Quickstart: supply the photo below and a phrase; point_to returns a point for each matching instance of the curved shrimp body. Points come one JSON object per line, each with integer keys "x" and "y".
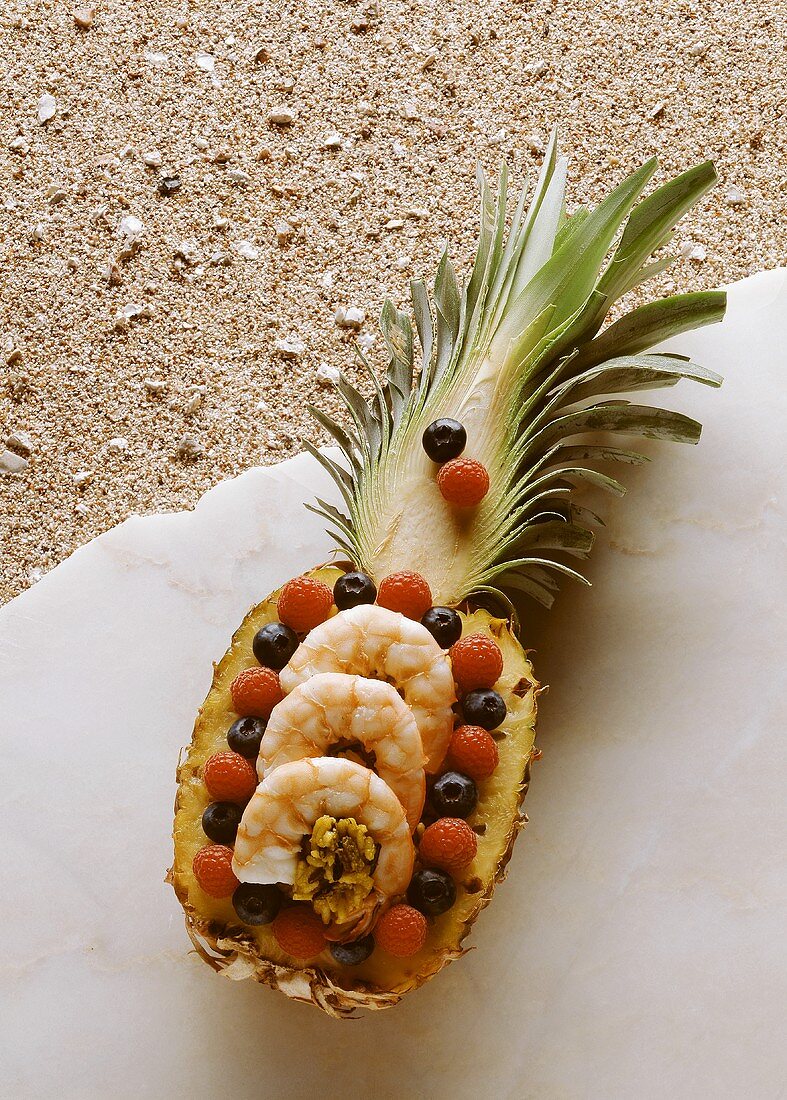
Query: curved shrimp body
{"x": 335, "y": 708}
{"x": 373, "y": 642}
{"x": 288, "y": 802}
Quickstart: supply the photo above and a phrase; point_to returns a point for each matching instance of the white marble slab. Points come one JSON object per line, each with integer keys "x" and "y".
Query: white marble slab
{"x": 637, "y": 949}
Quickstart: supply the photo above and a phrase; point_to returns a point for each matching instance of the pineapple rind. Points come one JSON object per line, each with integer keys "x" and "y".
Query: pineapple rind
{"x": 240, "y": 952}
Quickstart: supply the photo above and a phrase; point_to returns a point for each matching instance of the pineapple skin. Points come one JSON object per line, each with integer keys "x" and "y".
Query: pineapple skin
{"x": 239, "y": 952}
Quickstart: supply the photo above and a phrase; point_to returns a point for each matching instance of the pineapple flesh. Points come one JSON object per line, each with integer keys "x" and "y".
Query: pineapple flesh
{"x": 520, "y": 357}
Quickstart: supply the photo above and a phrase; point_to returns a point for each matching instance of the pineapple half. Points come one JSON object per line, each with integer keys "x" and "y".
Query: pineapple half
{"x": 381, "y": 981}
{"x": 519, "y": 356}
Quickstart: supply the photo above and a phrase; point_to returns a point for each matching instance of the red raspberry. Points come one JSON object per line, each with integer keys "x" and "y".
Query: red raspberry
{"x": 405, "y": 592}
{"x": 255, "y": 692}
{"x": 304, "y": 603}
{"x": 472, "y": 750}
{"x": 477, "y": 661}
{"x": 229, "y": 777}
{"x": 401, "y": 931}
{"x": 449, "y": 843}
{"x": 463, "y": 482}
{"x": 299, "y": 931}
{"x": 212, "y": 869}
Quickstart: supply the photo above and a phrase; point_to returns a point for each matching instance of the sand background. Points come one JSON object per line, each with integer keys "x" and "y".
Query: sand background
{"x": 138, "y": 368}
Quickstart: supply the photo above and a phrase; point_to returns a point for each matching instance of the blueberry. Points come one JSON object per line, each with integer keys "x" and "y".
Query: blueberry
{"x": 351, "y": 954}
{"x": 220, "y": 822}
{"x": 352, "y": 589}
{"x": 433, "y": 892}
{"x": 484, "y": 707}
{"x": 256, "y": 904}
{"x": 454, "y": 795}
{"x": 244, "y": 736}
{"x": 274, "y": 645}
{"x": 444, "y": 624}
{"x": 444, "y": 439}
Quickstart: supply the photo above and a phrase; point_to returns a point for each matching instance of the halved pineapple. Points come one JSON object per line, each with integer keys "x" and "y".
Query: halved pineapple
{"x": 241, "y": 951}
{"x": 519, "y": 356}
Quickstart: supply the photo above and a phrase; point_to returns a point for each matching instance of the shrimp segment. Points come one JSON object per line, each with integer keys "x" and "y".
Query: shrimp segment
{"x": 383, "y": 645}
{"x": 288, "y": 802}
{"x": 333, "y": 707}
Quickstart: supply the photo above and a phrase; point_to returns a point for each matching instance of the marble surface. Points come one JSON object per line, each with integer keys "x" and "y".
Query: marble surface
{"x": 637, "y": 948}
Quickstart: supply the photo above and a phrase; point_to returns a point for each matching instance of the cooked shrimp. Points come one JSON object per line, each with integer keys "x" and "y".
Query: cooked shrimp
{"x": 371, "y": 641}
{"x": 334, "y": 708}
{"x": 288, "y": 802}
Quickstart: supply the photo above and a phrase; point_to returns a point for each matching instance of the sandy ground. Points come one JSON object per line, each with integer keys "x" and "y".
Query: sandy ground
{"x": 154, "y": 343}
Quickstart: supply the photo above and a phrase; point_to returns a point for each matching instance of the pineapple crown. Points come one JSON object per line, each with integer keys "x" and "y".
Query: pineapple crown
{"x": 518, "y": 355}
